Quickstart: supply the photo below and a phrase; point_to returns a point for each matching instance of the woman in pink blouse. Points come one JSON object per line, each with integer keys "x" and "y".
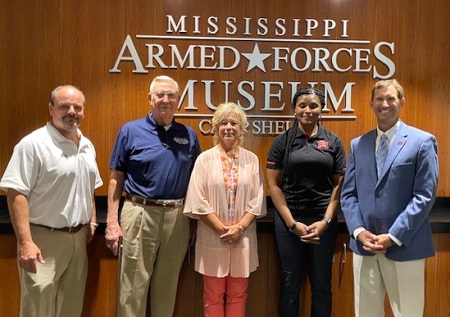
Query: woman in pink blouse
{"x": 227, "y": 204}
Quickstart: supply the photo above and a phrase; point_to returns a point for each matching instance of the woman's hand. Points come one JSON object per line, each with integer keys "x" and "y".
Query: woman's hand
{"x": 300, "y": 229}
{"x": 314, "y": 231}
{"x": 232, "y": 235}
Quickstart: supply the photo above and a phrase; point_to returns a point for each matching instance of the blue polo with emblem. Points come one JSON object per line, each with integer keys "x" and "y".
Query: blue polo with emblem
{"x": 156, "y": 163}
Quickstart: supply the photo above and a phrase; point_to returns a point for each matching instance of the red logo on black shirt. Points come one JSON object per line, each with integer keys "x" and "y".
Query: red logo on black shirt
{"x": 321, "y": 144}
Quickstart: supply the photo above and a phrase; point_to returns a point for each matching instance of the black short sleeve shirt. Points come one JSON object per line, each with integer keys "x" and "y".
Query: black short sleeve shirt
{"x": 309, "y": 167}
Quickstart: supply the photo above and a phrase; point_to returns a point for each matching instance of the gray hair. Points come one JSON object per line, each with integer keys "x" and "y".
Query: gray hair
{"x": 163, "y": 79}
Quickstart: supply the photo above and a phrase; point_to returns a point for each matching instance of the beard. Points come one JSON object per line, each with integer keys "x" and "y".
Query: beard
{"x": 71, "y": 122}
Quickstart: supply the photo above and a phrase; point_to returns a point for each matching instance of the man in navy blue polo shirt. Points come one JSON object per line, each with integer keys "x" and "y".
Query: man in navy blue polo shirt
{"x": 151, "y": 162}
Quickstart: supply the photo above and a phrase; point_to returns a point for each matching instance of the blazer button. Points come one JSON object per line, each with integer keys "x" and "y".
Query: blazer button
{"x": 377, "y": 195}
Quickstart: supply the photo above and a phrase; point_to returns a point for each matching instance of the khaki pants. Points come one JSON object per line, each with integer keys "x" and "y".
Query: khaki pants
{"x": 57, "y": 289}
{"x": 403, "y": 281}
{"x": 155, "y": 240}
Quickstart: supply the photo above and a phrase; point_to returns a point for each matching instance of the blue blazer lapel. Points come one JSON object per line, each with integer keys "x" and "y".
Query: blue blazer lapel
{"x": 368, "y": 148}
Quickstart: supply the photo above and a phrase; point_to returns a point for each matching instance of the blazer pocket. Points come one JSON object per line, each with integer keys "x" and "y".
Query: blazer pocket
{"x": 403, "y": 172}
{"x": 402, "y": 165}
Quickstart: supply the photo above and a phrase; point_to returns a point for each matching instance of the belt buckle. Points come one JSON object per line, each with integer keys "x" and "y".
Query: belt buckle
{"x": 163, "y": 202}
{"x": 72, "y": 229}
{"x": 171, "y": 203}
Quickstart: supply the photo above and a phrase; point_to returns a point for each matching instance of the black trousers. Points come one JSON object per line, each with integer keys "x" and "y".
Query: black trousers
{"x": 294, "y": 255}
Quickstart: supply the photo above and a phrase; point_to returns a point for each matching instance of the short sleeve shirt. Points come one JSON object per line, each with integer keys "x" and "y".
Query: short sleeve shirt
{"x": 308, "y": 171}
{"x": 156, "y": 162}
{"x": 57, "y": 176}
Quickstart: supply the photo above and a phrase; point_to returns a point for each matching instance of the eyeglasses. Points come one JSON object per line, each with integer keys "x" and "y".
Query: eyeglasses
{"x": 170, "y": 95}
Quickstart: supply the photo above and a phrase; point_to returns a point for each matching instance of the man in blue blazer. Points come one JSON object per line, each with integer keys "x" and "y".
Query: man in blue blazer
{"x": 387, "y": 215}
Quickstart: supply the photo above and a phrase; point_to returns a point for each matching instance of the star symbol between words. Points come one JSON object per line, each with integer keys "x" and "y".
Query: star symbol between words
{"x": 256, "y": 59}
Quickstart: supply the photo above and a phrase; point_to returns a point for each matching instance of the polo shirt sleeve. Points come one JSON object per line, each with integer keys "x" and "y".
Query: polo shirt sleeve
{"x": 119, "y": 157}
{"x": 98, "y": 179}
{"x": 22, "y": 170}
{"x": 276, "y": 153}
{"x": 339, "y": 158}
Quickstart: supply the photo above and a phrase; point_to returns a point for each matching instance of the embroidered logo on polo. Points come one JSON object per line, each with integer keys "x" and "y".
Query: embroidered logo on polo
{"x": 321, "y": 144}
{"x": 181, "y": 140}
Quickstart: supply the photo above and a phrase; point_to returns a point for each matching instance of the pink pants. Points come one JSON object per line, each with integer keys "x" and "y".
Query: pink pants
{"x": 224, "y": 296}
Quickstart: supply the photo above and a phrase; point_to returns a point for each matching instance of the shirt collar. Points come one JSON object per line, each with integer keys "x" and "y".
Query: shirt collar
{"x": 153, "y": 125}
{"x": 318, "y": 135}
{"x": 389, "y": 133}
{"x": 55, "y": 134}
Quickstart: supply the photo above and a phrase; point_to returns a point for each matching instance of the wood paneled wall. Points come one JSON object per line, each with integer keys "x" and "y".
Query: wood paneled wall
{"x": 47, "y": 43}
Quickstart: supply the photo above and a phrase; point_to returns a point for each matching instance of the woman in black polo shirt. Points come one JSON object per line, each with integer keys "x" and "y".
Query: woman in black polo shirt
{"x": 305, "y": 169}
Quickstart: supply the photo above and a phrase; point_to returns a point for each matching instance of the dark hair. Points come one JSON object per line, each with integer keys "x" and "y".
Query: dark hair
{"x": 292, "y": 132}
{"x": 309, "y": 91}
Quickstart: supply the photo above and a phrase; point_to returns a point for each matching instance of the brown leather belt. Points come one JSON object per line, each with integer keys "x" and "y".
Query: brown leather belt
{"x": 64, "y": 229}
{"x": 154, "y": 202}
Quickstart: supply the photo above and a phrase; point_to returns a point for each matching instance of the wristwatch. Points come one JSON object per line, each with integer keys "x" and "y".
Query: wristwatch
{"x": 326, "y": 219}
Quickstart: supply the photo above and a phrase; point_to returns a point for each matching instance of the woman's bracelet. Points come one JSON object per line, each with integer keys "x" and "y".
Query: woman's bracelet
{"x": 94, "y": 224}
{"x": 291, "y": 228}
{"x": 240, "y": 228}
